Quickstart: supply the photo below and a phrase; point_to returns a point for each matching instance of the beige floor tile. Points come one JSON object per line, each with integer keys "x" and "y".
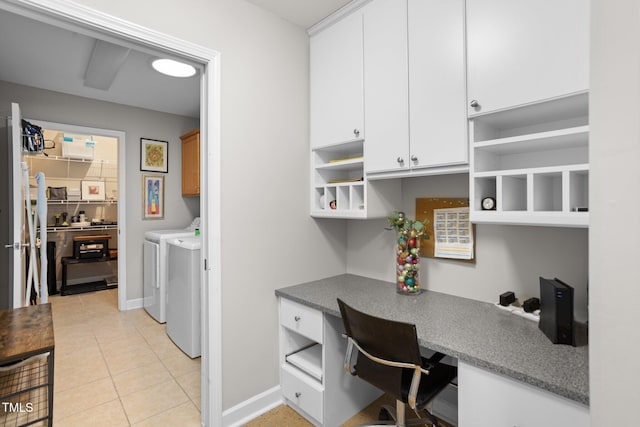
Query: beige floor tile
{"x": 153, "y": 400}
{"x": 164, "y": 347}
{"x": 75, "y": 332}
{"x": 73, "y": 401}
{"x": 108, "y": 367}
{"x": 135, "y": 357}
{"x": 100, "y": 308}
{"x": 185, "y": 415}
{"x": 79, "y": 374}
{"x": 58, "y": 300}
{"x": 73, "y": 338}
{"x": 181, "y": 364}
{"x": 72, "y": 359}
{"x": 190, "y": 383}
{"x": 126, "y": 342}
{"x": 63, "y": 318}
{"x": 110, "y": 327}
{"x": 152, "y": 331}
{"x": 140, "y": 318}
{"x": 281, "y": 416}
{"x": 141, "y": 378}
{"x": 110, "y": 414}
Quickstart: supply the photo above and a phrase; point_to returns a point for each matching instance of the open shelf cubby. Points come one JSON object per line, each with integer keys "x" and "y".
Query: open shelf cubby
{"x": 534, "y": 160}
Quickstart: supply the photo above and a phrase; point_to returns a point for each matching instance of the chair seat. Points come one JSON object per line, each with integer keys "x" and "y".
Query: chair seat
{"x": 430, "y": 385}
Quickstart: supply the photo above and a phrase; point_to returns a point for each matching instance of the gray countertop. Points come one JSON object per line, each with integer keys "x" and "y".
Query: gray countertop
{"x": 475, "y": 332}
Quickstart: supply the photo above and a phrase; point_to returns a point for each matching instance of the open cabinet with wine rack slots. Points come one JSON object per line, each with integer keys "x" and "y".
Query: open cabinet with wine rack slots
{"x": 533, "y": 160}
{"x": 340, "y": 189}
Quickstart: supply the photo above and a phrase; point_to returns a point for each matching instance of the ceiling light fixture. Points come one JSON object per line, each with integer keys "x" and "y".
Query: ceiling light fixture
{"x": 173, "y": 68}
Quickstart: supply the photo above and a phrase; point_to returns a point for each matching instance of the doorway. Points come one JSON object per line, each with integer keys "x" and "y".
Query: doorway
{"x": 75, "y": 160}
{"x": 88, "y": 21}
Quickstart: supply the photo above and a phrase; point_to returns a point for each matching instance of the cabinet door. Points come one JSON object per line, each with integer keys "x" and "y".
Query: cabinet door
{"x": 191, "y": 164}
{"x": 336, "y": 83}
{"x": 438, "y": 126}
{"x": 524, "y": 51}
{"x": 486, "y": 399}
{"x": 386, "y": 86}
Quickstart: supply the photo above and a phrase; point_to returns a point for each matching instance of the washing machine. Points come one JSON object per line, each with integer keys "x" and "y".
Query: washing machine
{"x": 184, "y": 294}
{"x": 155, "y": 268}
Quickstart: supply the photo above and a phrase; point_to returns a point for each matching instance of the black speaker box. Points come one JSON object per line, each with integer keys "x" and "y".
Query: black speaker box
{"x": 556, "y": 311}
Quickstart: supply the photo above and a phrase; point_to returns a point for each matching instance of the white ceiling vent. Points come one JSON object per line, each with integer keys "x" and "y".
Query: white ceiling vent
{"x": 106, "y": 60}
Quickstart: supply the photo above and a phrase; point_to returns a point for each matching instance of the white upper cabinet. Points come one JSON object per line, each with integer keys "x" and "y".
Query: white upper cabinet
{"x": 386, "y": 86}
{"x": 414, "y": 81}
{"x": 519, "y": 52}
{"x": 438, "y": 116}
{"x": 336, "y": 83}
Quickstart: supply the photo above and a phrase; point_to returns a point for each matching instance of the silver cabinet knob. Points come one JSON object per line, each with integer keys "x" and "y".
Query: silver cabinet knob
{"x": 474, "y": 104}
{"x": 356, "y": 132}
{"x": 414, "y": 158}
{"x": 297, "y": 318}
{"x": 400, "y": 160}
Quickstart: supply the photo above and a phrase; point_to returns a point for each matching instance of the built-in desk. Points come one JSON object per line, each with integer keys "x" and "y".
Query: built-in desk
{"x": 488, "y": 342}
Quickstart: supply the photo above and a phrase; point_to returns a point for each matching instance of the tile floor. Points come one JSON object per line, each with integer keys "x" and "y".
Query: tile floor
{"x": 116, "y": 368}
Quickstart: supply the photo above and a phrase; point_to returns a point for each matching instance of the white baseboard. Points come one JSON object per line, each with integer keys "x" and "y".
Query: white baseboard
{"x": 251, "y": 408}
{"x": 132, "y": 304}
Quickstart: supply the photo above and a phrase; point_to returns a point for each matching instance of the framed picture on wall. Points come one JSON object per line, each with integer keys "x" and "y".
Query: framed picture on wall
{"x": 92, "y": 190}
{"x": 153, "y": 197}
{"x": 154, "y": 155}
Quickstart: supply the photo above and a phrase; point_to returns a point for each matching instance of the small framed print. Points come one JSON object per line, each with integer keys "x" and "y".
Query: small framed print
{"x": 153, "y": 197}
{"x": 92, "y": 190}
{"x": 154, "y": 155}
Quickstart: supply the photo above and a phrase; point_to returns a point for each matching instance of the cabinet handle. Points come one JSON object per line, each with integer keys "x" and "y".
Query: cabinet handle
{"x": 474, "y": 104}
{"x": 297, "y": 318}
{"x": 400, "y": 160}
{"x": 356, "y": 132}
{"x": 414, "y": 158}
{"x": 298, "y": 394}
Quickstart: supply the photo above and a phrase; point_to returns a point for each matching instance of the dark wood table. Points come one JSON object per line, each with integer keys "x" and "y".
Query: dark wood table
{"x": 26, "y": 365}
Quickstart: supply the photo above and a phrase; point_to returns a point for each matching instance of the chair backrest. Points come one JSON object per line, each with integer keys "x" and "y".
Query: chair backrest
{"x": 385, "y": 339}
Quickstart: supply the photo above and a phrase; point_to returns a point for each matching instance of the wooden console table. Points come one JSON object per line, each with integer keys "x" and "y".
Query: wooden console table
{"x": 26, "y": 365}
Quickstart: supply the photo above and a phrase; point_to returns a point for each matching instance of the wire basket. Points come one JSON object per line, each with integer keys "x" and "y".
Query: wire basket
{"x": 24, "y": 393}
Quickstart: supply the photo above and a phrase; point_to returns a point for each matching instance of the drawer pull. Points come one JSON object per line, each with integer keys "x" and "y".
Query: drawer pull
{"x": 297, "y": 318}
{"x": 298, "y": 394}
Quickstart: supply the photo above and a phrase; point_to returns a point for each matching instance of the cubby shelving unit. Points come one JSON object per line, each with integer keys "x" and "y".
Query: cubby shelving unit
{"x": 533, "y": 160}
{"x": 337, "y": 174}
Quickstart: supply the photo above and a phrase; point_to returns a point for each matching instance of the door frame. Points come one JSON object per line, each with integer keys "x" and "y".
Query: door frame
{"x": 91, "y": 22}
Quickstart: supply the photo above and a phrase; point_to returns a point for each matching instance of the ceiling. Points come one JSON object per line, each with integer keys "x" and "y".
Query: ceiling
{"x": 40, "y": 55}
{"x": 43, "y": 56}
{"x": 303, "y": 13}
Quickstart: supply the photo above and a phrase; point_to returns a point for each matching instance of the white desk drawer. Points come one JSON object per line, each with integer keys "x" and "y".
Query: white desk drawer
{"x": 302, "y": 391}
{"x": 301, "y": 319}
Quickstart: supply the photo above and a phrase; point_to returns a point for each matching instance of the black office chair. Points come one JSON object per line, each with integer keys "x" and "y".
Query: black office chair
{"x": 388, "y": 357}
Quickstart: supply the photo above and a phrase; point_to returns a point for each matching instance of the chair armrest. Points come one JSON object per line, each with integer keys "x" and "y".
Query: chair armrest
{"x": 418, "y": 370}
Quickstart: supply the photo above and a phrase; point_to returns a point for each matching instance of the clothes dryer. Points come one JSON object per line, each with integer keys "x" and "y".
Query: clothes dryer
{"x": 184, "y": 294}
{"x": 155, "y": 262}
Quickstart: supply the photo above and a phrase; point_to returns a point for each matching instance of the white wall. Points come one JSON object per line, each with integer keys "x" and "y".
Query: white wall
{"x": 268, "y": 239}
{"x": 508, "y": 258}
{"x": 614, "y": 335}
{"x": 136, "y": 123}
